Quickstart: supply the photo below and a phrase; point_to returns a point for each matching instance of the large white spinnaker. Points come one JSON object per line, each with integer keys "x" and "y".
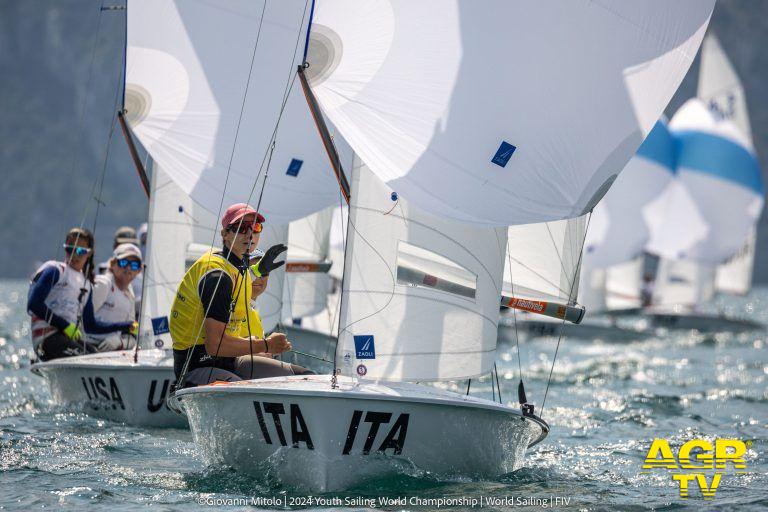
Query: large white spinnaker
{"x": 206, "y": 84}
{"x": 421, "y": 294}
{"x": 721, "y": 90}
{"x": 462, "y": 108}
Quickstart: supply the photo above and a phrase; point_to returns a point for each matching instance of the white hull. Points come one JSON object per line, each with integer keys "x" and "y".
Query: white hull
{"x": 111, "y": 386}
{"x": 702, "y": 322}
{"x": 314, "y": 437}
{"x": 584, "y": 331}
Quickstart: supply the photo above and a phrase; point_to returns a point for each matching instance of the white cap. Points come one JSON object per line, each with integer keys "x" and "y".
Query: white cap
{"x": 127, "y": 250}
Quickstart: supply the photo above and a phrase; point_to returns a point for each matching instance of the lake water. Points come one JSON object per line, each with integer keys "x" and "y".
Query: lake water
{"x": 606, "y": 404}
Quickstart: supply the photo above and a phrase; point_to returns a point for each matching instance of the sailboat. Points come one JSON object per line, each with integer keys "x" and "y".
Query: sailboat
{"x": 716, "y": 165}
{"x": 721, "y": 260}
{"x": 132, "y": 386}
{"x": 460, "y": 128}
{"x": 612, "y": 247}
{"x": 618, "y": 271}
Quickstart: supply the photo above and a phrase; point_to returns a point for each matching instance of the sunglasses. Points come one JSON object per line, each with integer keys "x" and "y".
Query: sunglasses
{"x": 244, "y": 227}
{"x": 132, "y": 264}
{"x": 80, "y": 251}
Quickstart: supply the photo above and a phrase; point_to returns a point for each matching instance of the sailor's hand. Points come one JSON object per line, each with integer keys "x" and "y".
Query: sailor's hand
{"x": 73, "y": 333}
{"x": 268, "y": 263}
{"x": 134, "y": 330}
{"x": 277, "y": 343}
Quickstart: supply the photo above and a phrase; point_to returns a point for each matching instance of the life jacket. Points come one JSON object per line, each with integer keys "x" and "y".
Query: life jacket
{"x": 65, "y": 299}
{"x": 187, "y": 312}
{"x": 117, "y": 305}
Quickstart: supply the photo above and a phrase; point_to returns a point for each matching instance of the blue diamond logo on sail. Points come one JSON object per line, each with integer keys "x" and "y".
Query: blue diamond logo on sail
{"x": 160, "y": 325}
{"x": 364, "y": 347}
{"x": 503, "y": 154}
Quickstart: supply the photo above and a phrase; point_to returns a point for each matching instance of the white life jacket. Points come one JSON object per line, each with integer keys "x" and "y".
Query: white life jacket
{"x": 111, "y": 304}
{"x": 64, "y": 299}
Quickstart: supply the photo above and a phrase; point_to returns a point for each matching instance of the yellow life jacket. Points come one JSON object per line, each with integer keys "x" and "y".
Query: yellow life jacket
{"x": 187, "y": 311}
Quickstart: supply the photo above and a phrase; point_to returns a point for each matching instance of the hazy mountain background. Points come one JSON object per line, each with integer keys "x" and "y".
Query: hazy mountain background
{"x": 49, "y": 165}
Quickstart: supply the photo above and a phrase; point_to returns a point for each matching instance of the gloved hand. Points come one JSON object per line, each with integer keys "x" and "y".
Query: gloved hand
{"x": 72, "y": 332}
{"x": 267, "y": 263}
{"x": 112, "y": 342}
{"x": 134, "y": 331}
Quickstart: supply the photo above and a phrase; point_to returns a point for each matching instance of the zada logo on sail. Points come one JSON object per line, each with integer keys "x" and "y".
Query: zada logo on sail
{"x": 698, "y": 463}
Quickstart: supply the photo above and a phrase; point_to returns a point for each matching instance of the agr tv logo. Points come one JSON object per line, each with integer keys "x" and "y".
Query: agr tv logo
{"x": 698, "y": 463}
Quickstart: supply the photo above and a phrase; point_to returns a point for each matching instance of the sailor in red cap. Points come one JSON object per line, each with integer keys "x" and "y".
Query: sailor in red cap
{"x": 216, "y": 332}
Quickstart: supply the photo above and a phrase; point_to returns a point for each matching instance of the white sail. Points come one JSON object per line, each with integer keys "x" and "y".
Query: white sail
{"x": 617, "y": 229}
{"x": 735, "y": 275}
{"x": 205, "y": 88}
{"x": 717, "y": 172}
{"x": 178, "y": 229}
{"x": 721, "y": 90}
{"x": 421, "y": 294}
{"x": 719, "y": 86}
{"x": 624, "y": 284}
{"x": 462, "y": 107}
{"x": 306, "y": 292}
{"x": 682, "y": 282}
{"x": 543, "y": 260}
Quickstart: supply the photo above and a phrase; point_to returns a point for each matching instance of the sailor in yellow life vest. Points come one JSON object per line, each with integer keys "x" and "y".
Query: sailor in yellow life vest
{"x": 216, "y": 333}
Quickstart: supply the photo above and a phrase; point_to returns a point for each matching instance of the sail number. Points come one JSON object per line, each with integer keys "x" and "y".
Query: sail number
{"x": 394, "y": 439}
{"x": 105, "y": 393}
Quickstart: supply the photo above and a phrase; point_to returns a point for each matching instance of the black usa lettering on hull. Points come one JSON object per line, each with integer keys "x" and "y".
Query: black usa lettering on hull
{"x": 155, "y": 405}
{"x": 99, "y": 395}
{"x": 299, "y": 431}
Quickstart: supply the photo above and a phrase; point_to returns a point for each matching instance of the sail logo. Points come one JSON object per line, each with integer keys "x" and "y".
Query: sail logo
{"x": 699, "y": 463}
{"x": 503, "y": 154}
{"x": 365, "y": 347}
{"x": 294, "y": 167}
{"x": 160, "y": 325}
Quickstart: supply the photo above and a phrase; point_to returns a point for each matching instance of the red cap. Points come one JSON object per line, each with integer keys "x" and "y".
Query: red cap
{"x": 236, "y": 212}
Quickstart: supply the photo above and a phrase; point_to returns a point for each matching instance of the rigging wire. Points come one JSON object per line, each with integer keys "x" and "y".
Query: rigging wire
{"x": 289, "y": 86}
{"x": 562, "y": 323}
{"x": 81, "y": 121}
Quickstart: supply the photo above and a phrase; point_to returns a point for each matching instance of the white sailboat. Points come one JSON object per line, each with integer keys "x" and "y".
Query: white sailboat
{"x": 182, "y": 123}
{"x": 452, "y": 149}
{"x": 716, "y": 254}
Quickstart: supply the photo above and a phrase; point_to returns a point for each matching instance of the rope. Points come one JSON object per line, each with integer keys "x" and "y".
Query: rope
{"x": 562, "y": 324}
{"x": 268, "y": 154}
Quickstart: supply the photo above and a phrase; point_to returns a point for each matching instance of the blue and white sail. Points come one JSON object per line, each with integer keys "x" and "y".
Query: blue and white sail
{"x": 618, "y": 231}
{"x": 721, "y": 90}
{"x": 718, "y": 191}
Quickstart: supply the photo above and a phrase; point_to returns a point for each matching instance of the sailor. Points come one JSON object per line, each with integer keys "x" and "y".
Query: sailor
{"x": 216, "y": 332}
{"x": 113, "y": 298}
{"x": 123, "y": 235}
{"x": 60, "y": 299}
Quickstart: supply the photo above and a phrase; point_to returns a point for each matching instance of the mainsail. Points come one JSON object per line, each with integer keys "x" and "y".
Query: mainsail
{"x": 421, "y": 294}
{"x": 721, "y": 90}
